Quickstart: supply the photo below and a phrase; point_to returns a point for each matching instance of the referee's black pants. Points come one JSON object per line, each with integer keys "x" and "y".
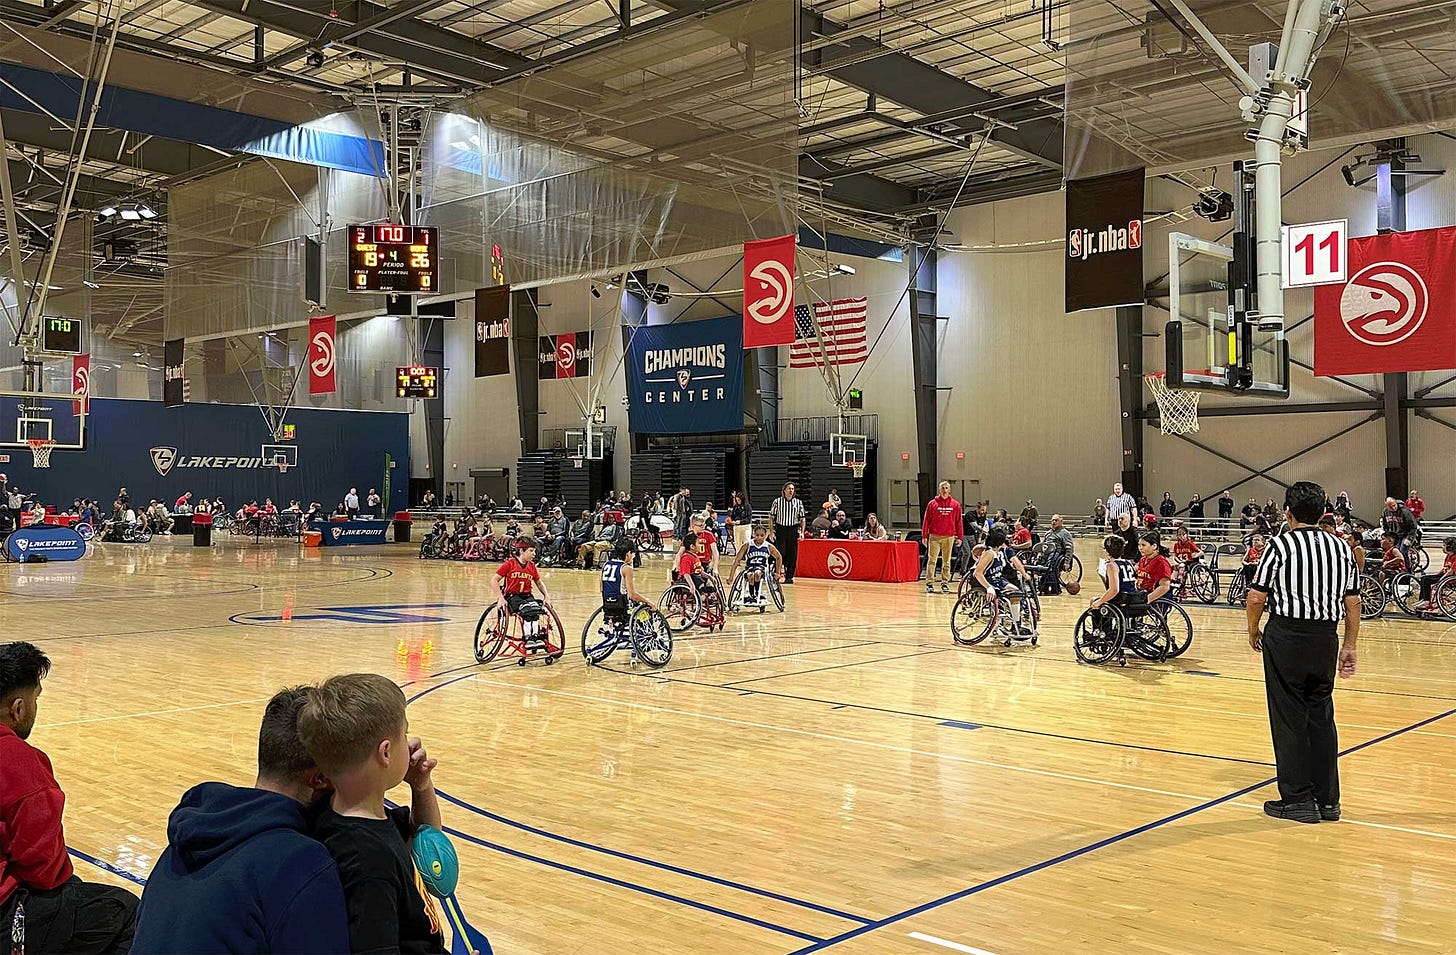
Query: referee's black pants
{"x": 1300, "y": 657}
{"x": 787, "y": 541}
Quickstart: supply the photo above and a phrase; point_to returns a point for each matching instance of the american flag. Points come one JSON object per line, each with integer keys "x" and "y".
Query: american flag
{"x": 840, "y": 339}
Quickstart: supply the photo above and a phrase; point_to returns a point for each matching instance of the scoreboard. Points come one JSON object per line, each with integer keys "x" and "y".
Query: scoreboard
{"x": 393, "y": 258}
{"x": 415, "y": 381}
{"x": 60, "y": 336}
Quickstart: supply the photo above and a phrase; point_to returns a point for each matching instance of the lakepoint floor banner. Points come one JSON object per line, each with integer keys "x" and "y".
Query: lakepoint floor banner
{"x": 686, "y": 378}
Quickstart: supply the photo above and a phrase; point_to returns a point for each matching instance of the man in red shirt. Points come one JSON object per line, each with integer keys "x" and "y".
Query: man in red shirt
{"x": 1416, "y": 505}
{"x": 942, "y": 529}
{"x": 61, "y": 913}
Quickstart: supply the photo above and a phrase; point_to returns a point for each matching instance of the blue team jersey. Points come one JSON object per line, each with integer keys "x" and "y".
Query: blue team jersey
{"x": 756, "y": 557}
{"x": 612, "y": 580}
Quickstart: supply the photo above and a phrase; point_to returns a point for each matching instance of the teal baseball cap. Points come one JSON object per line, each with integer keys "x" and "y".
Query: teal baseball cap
{"x": 435, "y": 859}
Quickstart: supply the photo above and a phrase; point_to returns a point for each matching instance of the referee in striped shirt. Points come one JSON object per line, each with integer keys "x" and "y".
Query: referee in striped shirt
{"x": 787, "y": 514}
{"x": 1308, "y": 581}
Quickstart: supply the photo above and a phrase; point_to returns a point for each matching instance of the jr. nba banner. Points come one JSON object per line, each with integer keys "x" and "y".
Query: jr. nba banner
{"x": 321, "y": 352}
{"x": 686, "y": 378}
{"x": 1397, "y": 312}
{"x": 174, "y": 388}
{"x": 81, "y": 385}
{"x": 768, "y": 292}
{"x": 1105, "y": 241}
{"x": 492, "y": 331}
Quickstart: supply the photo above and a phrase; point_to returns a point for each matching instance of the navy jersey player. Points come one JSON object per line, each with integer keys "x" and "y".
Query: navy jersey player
{"x": 619, "y": 590}
{"x": 758, "y": 558}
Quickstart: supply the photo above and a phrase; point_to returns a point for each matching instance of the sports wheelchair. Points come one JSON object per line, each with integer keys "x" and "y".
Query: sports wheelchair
{"x": 977, "y": 615}
{"x": 738, "y": 598}
{"x": 499, "y": 628}
{"x": 1155, "y": 631}
{"x": 644, "y": 631}
{"x": 685, "y": 606}
{"x": 1404, "y": 590}
{"x": 1194, "y": 579}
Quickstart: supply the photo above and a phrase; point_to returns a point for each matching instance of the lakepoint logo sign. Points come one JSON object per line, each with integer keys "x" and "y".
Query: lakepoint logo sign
{"x": 165, "y": 460}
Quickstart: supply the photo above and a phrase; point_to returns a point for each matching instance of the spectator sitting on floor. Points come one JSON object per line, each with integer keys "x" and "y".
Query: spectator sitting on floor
{"x": 241, "y": 872}
{"x": 159, "y": 519}
{"x": 61, "y": 913}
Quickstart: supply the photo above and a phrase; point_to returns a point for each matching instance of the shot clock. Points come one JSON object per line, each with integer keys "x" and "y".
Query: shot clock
{"x": 393, "y": 258}
{"x": 60, "y": 336}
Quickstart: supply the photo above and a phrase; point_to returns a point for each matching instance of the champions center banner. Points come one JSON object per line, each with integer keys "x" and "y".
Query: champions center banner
{"x": 686, "y": 378}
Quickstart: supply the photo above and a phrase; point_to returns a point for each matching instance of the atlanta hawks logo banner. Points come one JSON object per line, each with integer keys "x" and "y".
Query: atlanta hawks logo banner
{"x": 81, "y": 384}
{"x": 321, "y": 341}
{"x": 565, "y": 356}
{"x": 686, "y": 378}
{"x": 768, "y": 292}
{"x": 1397, "y": 312}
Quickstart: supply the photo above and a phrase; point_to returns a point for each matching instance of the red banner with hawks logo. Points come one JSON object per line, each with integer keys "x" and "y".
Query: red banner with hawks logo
{"x": 81, "y": 385}
{"x": 565, "y": 356}
{"x": 321, "y": 352}
{"x": 768, "y": 292}
{"x": 1397, "y": 312}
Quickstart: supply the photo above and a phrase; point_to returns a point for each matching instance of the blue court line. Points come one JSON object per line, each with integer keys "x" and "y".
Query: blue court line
{"x": 1084, "y": 850}
{"x": 666, "y": 866}
{"x": 703, "y": 906}
{"x": 1199, "y": 673}
{"x": 612, "y": 852}
{"x": 958, "y": 724}
{"x": 107, "y": 867}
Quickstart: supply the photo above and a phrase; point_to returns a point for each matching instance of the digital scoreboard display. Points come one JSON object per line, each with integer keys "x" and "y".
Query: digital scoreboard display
{"x": 415, "y": 381}
{"x": 60, "y": 336}
{"x": 393, "y": 258}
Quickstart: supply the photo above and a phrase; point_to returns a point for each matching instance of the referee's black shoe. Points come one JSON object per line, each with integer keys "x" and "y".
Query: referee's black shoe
{"x": 1330, "y": 812}
{"x": 1294, "y": 811}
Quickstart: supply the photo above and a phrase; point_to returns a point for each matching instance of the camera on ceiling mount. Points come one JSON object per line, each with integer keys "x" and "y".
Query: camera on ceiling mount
{"x": 1215, "y": 205}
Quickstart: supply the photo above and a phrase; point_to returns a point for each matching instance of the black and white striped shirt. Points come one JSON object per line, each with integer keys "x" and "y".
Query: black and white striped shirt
{"x": 787, "y": 513}
{"x": 1307, "y": 574}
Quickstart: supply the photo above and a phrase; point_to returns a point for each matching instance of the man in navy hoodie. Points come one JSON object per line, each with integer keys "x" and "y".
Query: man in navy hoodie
{"x": 240, "y": 872}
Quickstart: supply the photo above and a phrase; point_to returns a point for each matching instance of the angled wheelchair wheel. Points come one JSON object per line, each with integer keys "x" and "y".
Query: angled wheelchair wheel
{"x": 490, "y": 633}
{"x": 738, "y": 592}
{"x": 1071, "y": 570}
{"x": 1405, "y": 589}
{"x": 1238, "y": 590}
{"x": 1097, "y": 635}
{"x": 972, "y": 618}
{"x": 1443, "y": 597}
{"x": 1176, "y": 625}
{"x": 1372, "y": 598}
{"x": 1420, "y": 560}
{"x": 597, "y": 638}
{"x": 651, "y": 636}
{"x": 776, "y": 592}
{"x": 1201, "y": 584}
{"x": 680, "y": 605}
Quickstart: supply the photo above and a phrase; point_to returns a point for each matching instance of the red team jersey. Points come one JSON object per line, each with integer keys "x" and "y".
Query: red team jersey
{"x": 1449, "y": 567}
{"x": 1151, "y": 571}
{"x": 708, "y": 540}
{"x": 1022, "y": 536}
{"x": 689, "y": 564}
{"x": 1252, "y": 555}
{"x": 1394, "y": 561}
{"x": 1185, "y": 550}
{"x": 518, "y": 577}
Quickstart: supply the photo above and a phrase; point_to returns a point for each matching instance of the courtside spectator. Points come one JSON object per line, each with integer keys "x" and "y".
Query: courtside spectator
{"x": 60, "y": 912}
{"x": 428, "y": 501}
{"x": 241, "y": 873}
{"x": 1166, "y": 507}
{"x": 355, "y": 728}
{"x": 184, "y": 501}
{"x": 1416, "y": 505}
{"x": 351, "y": 503}
{"x": 1225, "y": 507}
{"x": 874, "y": 530}
{"x": 1099, "y": 514}
{"x": 373, "y": 501}
{"x": 942, "y": 529}
{"x": 1195, "y": 508}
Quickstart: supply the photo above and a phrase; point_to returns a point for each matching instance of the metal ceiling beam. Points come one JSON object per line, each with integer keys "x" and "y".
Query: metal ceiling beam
{"x": 165, "y": 157}
{"x": 416, "y": 9}
{"x": 924, "y": 88}
{"x": 860, "y": 190}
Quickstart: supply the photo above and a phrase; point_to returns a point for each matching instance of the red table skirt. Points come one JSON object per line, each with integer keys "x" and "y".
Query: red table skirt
{"x": 891, "y": 562}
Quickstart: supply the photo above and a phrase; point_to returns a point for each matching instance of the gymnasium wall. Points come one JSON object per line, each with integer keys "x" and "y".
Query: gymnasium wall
{"x": 336, "y": 450}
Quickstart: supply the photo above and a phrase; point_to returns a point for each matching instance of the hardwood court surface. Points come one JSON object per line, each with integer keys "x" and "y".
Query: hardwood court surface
{"x": 840, "y": 777}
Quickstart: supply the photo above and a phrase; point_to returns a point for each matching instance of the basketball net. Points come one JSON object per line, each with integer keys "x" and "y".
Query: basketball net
{"x": 857, "y": 467}
{"x": 40, "y": 450}
{"x": 1177, "y": 409}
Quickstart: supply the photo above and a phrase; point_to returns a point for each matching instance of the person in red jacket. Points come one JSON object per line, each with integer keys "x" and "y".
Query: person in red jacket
{"x": 942, "y": 529}
{"x": 39, "y": 891}
{"x": 1416, "y": 505}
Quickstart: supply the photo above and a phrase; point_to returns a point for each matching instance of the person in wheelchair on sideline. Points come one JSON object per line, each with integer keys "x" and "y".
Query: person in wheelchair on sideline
{"x": 991, "y": 573}
{"x": 1252, "y": 556}
{"x": 1448, "y": 568}
{"x": 514, "y": 584}
{"x": 758, "y": 558}
{"x": 619, "y": 589}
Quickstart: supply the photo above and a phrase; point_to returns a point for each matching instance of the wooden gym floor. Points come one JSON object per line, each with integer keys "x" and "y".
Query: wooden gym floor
{"x": 838, "y": 777}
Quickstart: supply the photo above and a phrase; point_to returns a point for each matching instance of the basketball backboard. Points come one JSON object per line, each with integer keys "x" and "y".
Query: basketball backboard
{"x": 1209, "y": 346}
{"x": 847, "y": 449}
{"x": 46, "y": 416}
{"x": 578, "y": 446}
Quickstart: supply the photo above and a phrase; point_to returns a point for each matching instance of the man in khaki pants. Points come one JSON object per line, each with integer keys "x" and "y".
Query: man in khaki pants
{"x": 941, "y": 529}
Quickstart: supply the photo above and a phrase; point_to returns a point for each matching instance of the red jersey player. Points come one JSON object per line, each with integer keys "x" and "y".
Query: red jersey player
{"x": 515, "y": 579}
{"x": 1154, "y": 573}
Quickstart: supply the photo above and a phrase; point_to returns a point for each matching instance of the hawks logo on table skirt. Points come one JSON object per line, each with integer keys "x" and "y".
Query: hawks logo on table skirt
{"x": 1397, "y": 312}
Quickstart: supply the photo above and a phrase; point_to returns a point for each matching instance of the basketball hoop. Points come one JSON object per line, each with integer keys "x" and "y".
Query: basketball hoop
{"x": 282, "y": 465}
{"x": 40, "y": 449}
{"x": 1177, "y": 409}
{"x": 858, "y": 467}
